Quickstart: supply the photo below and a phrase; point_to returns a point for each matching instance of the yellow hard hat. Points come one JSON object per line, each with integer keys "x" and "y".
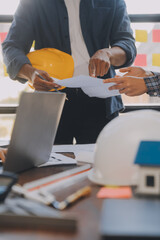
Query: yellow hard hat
{"x": 56, "y": 63}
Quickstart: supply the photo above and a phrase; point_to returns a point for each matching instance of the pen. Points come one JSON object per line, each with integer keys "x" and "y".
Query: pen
{"x": 52, "y": 90}
{"x": 85, "y": 191}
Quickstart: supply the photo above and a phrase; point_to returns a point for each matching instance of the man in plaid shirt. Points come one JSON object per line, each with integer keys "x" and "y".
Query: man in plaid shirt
{"x": 136, "y": 81}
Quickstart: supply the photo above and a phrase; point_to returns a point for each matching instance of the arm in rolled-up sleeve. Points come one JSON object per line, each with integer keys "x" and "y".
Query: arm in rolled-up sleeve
{"x": 122, "y": 34}
{"x": 19, "y": 40}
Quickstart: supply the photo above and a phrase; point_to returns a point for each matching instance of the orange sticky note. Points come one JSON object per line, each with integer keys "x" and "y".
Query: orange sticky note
{"x": 156, "y": 35}
{"x": 156, "y": 59}
{"x": 141, "y": 35}
{"x": 119, "y": 192}
{"x": 141, "y": 60}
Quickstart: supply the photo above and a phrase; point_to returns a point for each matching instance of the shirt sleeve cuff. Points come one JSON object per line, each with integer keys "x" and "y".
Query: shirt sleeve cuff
{"x": 15, "y": 66}
{"x": 153, "y": 85}
{"x": 130, "y": 54}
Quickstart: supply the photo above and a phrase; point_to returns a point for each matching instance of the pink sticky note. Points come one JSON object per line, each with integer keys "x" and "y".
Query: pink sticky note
{"x": 119, "y": 192}
{"x": 3, "y": 36}
{"x": 156, "y": 35}
{"x": 141, "y": 60}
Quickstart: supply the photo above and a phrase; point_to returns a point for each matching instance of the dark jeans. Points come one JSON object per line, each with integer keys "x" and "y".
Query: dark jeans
{"x": 83, "y": 118}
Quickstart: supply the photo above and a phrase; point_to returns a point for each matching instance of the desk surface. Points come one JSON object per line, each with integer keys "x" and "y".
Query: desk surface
{"x": 87, "y": 211}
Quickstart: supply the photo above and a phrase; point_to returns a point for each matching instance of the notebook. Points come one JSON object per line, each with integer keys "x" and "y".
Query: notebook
{"x": 130, "y": 219}
{"x": 34, "y": 131}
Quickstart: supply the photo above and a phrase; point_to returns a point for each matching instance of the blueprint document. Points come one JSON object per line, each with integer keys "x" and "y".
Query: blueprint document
{"x": 93, "y": 87}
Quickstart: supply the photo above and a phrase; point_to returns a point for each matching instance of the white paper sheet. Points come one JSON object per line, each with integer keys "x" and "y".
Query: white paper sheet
{"x": 58, "y": 159}
{"x": 93, "y": 87}
{"x": 73, "y": 148}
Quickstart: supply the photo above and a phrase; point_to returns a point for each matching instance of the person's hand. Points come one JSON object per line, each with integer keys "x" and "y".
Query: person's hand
{"x": 29, "y": 73}
{"x": 136, "y": 72}
{"x": 99, "y": 63}
{"x": 3, "y": 152}
{"x": 131, "y": 86}
{"x": 40, "y": 84}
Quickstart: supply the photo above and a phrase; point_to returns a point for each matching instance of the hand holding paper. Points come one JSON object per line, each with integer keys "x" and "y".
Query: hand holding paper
{"x": 93, "y": 87}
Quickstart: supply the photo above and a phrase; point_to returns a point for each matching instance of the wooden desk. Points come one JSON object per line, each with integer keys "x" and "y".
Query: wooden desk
{"x": 87, "y": 211}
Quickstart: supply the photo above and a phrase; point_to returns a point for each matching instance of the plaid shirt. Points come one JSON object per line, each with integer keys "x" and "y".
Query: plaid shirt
{"x": 153, "y": 85}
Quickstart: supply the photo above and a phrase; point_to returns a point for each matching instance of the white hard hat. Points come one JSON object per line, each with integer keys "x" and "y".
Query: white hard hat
{"x": 117, "y": 146}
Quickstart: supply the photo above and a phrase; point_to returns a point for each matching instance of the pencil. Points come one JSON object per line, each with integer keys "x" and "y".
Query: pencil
{"x": 85, "y": 191}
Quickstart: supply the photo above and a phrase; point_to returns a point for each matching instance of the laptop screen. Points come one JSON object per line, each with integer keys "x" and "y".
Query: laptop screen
{"x": 34, "y": 131}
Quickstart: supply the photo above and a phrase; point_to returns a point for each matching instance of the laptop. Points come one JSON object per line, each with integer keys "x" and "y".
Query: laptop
{"x": 137, "y": 218}
{"x": 34, "y": 130}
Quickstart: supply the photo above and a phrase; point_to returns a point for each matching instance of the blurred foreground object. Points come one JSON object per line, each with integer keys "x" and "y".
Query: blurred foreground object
{"x": 117, "y": 146}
